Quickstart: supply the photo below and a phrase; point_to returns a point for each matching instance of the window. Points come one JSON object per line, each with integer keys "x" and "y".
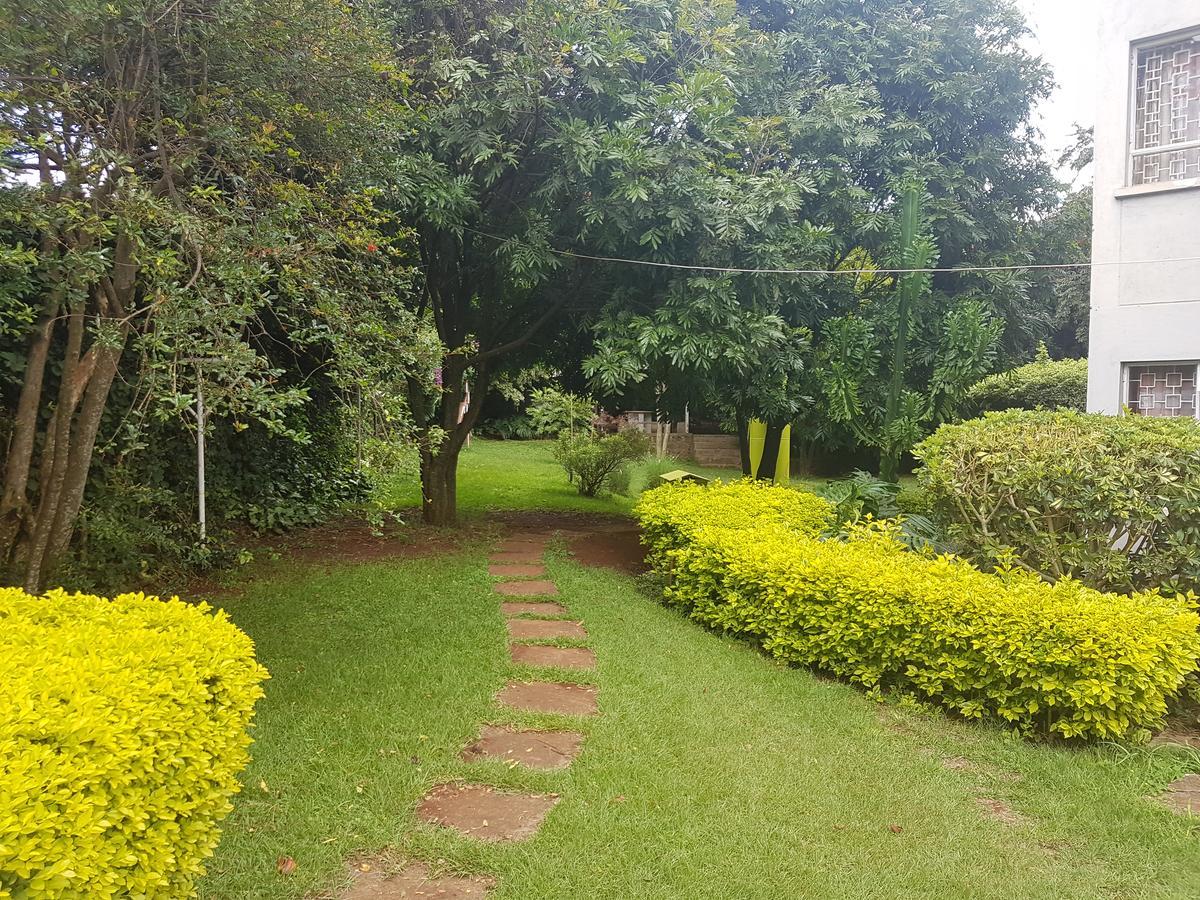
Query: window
{"x": 1166, "y": 125}
{"x": 1164, "y": 390}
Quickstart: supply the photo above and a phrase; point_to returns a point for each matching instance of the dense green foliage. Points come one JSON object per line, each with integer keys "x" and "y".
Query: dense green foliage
{"x": 123, "y": 728}
{"x": 844, "y": 105}
{"x": 1044, "y": 383}
{"x": 187, "y": 209}
{"x": 1111, "y": 501}
{"x": 553, "y": 411}
{"x": 336, "y": 245}
{"x": 1056, "y": 659}
{"x": 595, "y": 462}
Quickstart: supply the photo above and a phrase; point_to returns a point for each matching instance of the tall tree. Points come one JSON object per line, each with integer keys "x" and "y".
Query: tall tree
{"x": 847, "y": 98}
{"x": 173, "y": 166}
{"x": 544, "y": 126}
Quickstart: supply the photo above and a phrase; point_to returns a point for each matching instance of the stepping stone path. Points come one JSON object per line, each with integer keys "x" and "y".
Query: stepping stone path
{"x": 535, "y": 749}
{"x": 549, "y": 697}
{"x": 526, "y": 588}
{"x": 517, "y": 570}
{"x": 518, "y": 608}
{"x": 553, "y": 657}
{"x": 541, "y": 629}
{"x": 415, "y": 882}
{"x": 485, "y": 813}
{"x": 479, "y": 811}
{"x": 1183, "y": 795}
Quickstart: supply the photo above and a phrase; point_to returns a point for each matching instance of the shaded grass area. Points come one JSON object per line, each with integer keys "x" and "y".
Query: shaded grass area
{"x": 711, "y": 772}
{"x": 522, "y": 475}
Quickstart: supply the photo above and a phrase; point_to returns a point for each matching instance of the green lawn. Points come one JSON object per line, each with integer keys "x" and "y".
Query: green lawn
{"x": 506, "y": 475}
{"x": 711, "y": 771}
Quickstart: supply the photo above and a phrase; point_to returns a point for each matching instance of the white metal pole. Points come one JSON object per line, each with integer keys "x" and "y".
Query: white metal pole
{"x": 201, "y": 422}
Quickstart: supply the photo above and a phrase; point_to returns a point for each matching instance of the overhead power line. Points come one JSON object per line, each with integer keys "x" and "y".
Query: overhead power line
{"x": 735, "y": 270}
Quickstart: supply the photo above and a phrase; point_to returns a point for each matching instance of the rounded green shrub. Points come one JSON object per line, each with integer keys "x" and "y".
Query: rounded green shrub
{"x": 1044, "y": 383}
{"x": 123, "y": 726}
{"x": 1112, "y": 501}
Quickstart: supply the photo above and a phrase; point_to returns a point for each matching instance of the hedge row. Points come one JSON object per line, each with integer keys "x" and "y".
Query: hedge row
{"x": 1054, "y": 659}
{"x": 671, "y": 515}
{"x": 123, "y": 726}
{"x": 1044, "y": 383}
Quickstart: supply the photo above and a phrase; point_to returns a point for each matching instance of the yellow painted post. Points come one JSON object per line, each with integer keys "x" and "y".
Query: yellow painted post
{"x": 758, "y": 437}
{"x": 783, "y": 463}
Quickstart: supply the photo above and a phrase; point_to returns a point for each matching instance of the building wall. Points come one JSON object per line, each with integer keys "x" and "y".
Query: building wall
{"x": 1140, "y": 313}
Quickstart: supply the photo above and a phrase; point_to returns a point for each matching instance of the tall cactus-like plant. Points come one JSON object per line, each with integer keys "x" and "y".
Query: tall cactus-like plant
{"x": 916, "y": 252}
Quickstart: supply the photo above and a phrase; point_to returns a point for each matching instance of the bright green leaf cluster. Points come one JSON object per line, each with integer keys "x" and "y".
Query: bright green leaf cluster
{"x": 1058, "y": 659}
{"x": 672, "y": 515}
{"x": 123, "y": 726}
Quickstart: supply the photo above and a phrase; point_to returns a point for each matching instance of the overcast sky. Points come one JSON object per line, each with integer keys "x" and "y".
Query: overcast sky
{"x": 1066, "y": 35}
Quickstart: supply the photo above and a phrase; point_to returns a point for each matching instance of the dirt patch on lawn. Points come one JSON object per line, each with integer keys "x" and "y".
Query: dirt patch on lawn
{"x": 354, "y": 540}
{"x": 594, "y": 539}
{"x": 616, "y": 548}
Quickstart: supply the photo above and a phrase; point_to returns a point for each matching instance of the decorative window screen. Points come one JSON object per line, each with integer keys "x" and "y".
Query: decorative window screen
{"x": 1164, "y": 390}
{"x": 1166, "y": 139}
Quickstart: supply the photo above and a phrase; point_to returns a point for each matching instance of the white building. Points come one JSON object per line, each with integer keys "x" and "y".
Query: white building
{"x": 1145, "y": 318}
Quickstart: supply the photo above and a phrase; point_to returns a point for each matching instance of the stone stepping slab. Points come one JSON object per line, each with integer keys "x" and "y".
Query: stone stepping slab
{"x": 517, "y": 608}
{"x": 549, "y": 697}
{"x": 484, "y": 813}
{"x": 553, "y": 657}
{"x": 414, "y": 882}
{"x": 511, "y": 546}
{"x": 527, "y": 588}
{"x": 541, "y": 629}
{"x": 516, "y": 557}
{"x": 535, "y": 749}
{"x": 1183, "y": 795}
{"x": 517, "y": 570}
{"x": 530, "y": 537}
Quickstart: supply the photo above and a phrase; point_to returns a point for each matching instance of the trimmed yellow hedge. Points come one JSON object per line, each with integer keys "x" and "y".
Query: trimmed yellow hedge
{"x": 1057, "y": 659}
{"x": 671, "y": 515}
{"x": 123, "y": 726}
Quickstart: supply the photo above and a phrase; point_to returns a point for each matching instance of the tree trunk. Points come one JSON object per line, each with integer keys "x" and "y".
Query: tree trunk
{"x": 770, "y": 456}
{"x": 743, "y": 436}
{"x": 439, "y": 466}
{"x": 14, "y": 503}
{"x": 439, "y": 488}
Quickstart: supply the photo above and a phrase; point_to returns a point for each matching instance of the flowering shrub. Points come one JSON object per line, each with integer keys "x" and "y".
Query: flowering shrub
{"x": 1058, "y": 659}
{"x": 123, "y": 726}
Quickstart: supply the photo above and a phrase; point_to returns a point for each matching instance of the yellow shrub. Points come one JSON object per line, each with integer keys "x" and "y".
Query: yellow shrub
{"x": 123, "y": 726}
{"x": 670, "y": 515}
{"x": 1059, "y": 659}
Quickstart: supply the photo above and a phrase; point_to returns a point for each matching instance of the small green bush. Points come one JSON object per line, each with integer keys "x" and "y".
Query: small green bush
{"x": 671, "y": 515}
{"x": 553, "y": 411}
{"x": 123, "y": 726}
{"x": 1044, "y": 383}
{"x": 1112, "y": 501}
{"x": 595, "y": 462}
{"x": 1056, "y": 659}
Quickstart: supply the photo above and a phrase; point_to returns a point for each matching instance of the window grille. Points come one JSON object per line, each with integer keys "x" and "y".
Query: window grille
{"x": 1166, "y": 138}
{"x": 1164, "y": 391}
